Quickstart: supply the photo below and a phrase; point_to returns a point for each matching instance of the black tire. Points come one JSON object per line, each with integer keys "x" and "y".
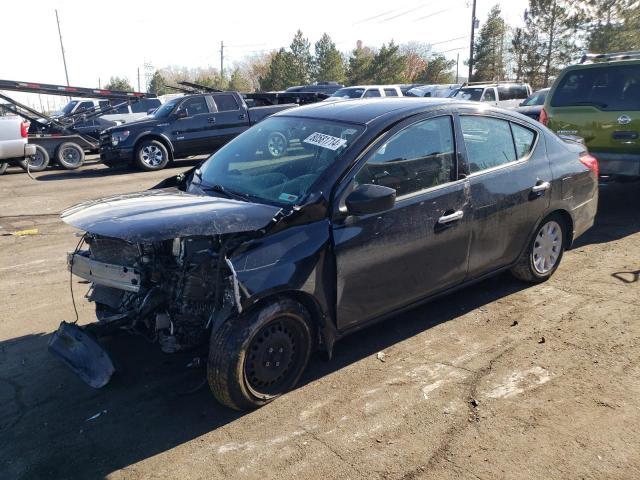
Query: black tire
{"x": 544, "y": 253}
{"x": 260, "y": 355}
{"x": 70, "y": 155}
{"x": 277, "y": 144}
{"x": 37, "y": 162}
{"x": 3, "y": 167}
{"x": 151, "y": 155}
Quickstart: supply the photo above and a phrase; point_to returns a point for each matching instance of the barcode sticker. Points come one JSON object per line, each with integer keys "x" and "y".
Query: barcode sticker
{"x": 325, "y": 141}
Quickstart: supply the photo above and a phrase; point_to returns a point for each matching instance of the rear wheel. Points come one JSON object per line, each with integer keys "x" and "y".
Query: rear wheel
{"x": 70, "y": 155}
{"x": 37, "y": 162}
{"x": 260, "y": 355}
{"x": 151, "y": 155}
{"x": 544, "y": 253}
{"x": 277, "y": 144}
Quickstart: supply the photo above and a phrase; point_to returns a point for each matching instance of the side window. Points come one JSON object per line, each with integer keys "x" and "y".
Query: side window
{"x": 226, "y": 102}
{"x": 390, "y": 92}
{"x": 123, "y": 109}
{"x": 372, "y": 92}
{"x": 420, "y": 156}
{"x": 195, "y": 106}
{"x": 489, "y": 95}
{"x": 523, "y": 139}
{"x": 104, "y": 104}
{"x": 488, "y": 142}
{"x": 84, "y": 106}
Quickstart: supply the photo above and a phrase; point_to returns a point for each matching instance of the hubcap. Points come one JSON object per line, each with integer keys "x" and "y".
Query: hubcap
{"x": 547, "y": 247}
{"x": 273, "y": 357}
{"x": 71, "y": 156}
{"x": 276, "y": 145}
{"x": 152, "y": 155}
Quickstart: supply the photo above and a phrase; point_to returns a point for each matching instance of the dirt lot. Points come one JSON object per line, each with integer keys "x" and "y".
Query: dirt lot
{"x": 501, "y": 380}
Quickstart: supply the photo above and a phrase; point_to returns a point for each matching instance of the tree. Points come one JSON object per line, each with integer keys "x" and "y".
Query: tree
{"x": 612, "y": 25}
{"x": 256, "y": 67}
{"x": 488, "y": 52}
{"x": 437, "y": 70}
{"x": 388, "y": 65}
{"x": 556, "y": 24}
{"x": 239, "y": 81}
{"x": 157, "y": 84}
{"x": 280, "y": 74}
{"x": 359, "y": 71}
{"x": 300, "y": 60}
{"x": 119, "y": 83}
{"x": 328, "y": 64}
{"x": 416, "y": 56}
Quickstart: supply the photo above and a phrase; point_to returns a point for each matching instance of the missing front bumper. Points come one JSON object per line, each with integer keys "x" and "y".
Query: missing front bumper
{"x": 107, "y": 274}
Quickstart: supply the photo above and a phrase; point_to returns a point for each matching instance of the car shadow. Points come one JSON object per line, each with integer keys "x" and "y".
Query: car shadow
{"x": 55, "y": 426}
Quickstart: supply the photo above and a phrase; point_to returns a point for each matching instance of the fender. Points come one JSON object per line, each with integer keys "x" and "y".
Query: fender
{"x": 151, "y": 133}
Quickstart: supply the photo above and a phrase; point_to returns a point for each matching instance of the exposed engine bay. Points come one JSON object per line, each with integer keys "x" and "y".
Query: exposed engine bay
{"x": 169, "y": 291}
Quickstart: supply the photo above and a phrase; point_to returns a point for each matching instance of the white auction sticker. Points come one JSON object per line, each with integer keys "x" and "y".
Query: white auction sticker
{"x": 325, "y": 141}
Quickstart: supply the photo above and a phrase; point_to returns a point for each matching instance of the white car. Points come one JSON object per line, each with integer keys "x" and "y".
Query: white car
{"x": 13, "y": 140}
{"x": 505, "y": 95}
{"x": 437, "y": 90}
{"x": 365, "y": 91}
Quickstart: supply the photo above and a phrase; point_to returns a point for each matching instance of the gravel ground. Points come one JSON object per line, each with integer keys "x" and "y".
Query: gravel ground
{"x": 500, "y": 380}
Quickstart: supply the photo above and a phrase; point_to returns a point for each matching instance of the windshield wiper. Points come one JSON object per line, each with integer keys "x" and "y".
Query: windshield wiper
{"x": 224, "y": 191}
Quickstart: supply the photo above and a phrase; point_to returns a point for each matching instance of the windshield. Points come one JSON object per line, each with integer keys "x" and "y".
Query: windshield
{"x": 279, "y": 159}
{"x": 469, "y": 94}
{"x": 607, "y": 88}
{"x": 165, "y": 109}
{"x": 69, "y": 106}
{"x": 537, "y": 98}
{"x": 349, "y": 93}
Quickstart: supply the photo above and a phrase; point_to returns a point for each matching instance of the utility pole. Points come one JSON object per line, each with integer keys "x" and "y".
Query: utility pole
{"x": 473, "y": 31}
{"x": 64, "y": 60}
{"x": 139, "y": 89}
{"x": 221, "y": 59}
{"x": 457, "y": 66}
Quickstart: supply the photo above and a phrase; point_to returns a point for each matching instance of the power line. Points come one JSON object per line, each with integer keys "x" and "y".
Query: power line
{"x": 402, "y": 14}
{"x": 450, "y": 40}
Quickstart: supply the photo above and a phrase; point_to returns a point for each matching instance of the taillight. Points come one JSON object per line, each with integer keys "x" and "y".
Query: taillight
{"x": 24, "y": 129}
{"x": 544, "y": 118}
{"x": 590, "y": 162}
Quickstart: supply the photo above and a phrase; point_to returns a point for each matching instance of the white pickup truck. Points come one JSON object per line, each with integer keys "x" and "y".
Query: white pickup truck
{"x": 13, "y": 141}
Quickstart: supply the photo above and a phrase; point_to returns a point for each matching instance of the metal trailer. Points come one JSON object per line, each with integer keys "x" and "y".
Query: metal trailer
{"x": 59, "y": 139}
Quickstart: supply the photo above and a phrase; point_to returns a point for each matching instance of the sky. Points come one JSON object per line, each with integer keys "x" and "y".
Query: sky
{"x": 116, "y": 37}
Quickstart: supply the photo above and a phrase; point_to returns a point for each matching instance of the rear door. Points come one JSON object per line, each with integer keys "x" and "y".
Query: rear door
{"x": 510, "y": 178}
{"x": 230, "y": 118}
{"x": 601, "y": 103}
{"x": 388, "y": 260}
{"x": 191, "y": 133}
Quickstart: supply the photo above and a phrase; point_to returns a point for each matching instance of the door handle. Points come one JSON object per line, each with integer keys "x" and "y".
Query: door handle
{"x": 452, "y": 217}
{"x": 211, "y": 120}
{"x": 541, "y": 187}
{"x": 242, "y": 116}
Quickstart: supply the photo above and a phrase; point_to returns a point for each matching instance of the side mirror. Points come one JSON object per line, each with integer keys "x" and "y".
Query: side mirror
{"x": 181, "y": 113}
{"x": 366, "y": 199}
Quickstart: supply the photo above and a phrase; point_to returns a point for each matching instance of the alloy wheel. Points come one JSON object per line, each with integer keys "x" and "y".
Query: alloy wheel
{"x": 152, "y": 155}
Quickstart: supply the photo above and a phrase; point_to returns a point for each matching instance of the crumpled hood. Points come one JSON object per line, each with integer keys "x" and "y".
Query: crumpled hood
{"x": 156, "y": 215}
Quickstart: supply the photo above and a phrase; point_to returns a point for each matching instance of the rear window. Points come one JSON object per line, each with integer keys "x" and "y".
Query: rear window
{"x": 390, "y": 92}
{"x": 512, "y": 92}
{"x": 606, "y": 88}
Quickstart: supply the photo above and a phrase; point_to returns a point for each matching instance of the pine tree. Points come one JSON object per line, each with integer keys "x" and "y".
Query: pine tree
{"x": 612, "y": 25}
{"x": 119, "y": 83}
{"x": 556, "y": 23}
{"x": 300, "y": 60}
{"x": 388, "y": 65}
{"x": 359, "y": 72}
{"x": 157, "y": 84}
{"x": 328, "y": 62}
{"x": 437, "y": 70}
{"x": 279, "y": 75}
{"x": 489, "y": 61}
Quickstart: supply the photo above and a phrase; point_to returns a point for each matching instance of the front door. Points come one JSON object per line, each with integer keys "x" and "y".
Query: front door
{"x": 191, "y": 132}
{"x": 388, "y": 260}
{"x": 510, "y": 177}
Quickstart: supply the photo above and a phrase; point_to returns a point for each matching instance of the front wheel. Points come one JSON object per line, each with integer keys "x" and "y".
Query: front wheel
{"x": 37, "y": 162}
{"x": 277, "y": 144}
{"x": 151, "y": 155}
{"x": 70, "y": 155}
{"x": 542, "y": 256}
{"x": 260, "y": 355}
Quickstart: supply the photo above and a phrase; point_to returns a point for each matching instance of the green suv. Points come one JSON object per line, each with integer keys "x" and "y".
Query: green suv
{"x": 599, "y": 101}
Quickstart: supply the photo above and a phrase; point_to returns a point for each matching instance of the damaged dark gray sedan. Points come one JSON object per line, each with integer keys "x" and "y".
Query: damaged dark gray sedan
{"x": 370, "y": 207}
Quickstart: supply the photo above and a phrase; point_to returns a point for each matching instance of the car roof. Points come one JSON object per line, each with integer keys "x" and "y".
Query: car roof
{"x": 365, "y": 111}
{"x": 372, "y": 86}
